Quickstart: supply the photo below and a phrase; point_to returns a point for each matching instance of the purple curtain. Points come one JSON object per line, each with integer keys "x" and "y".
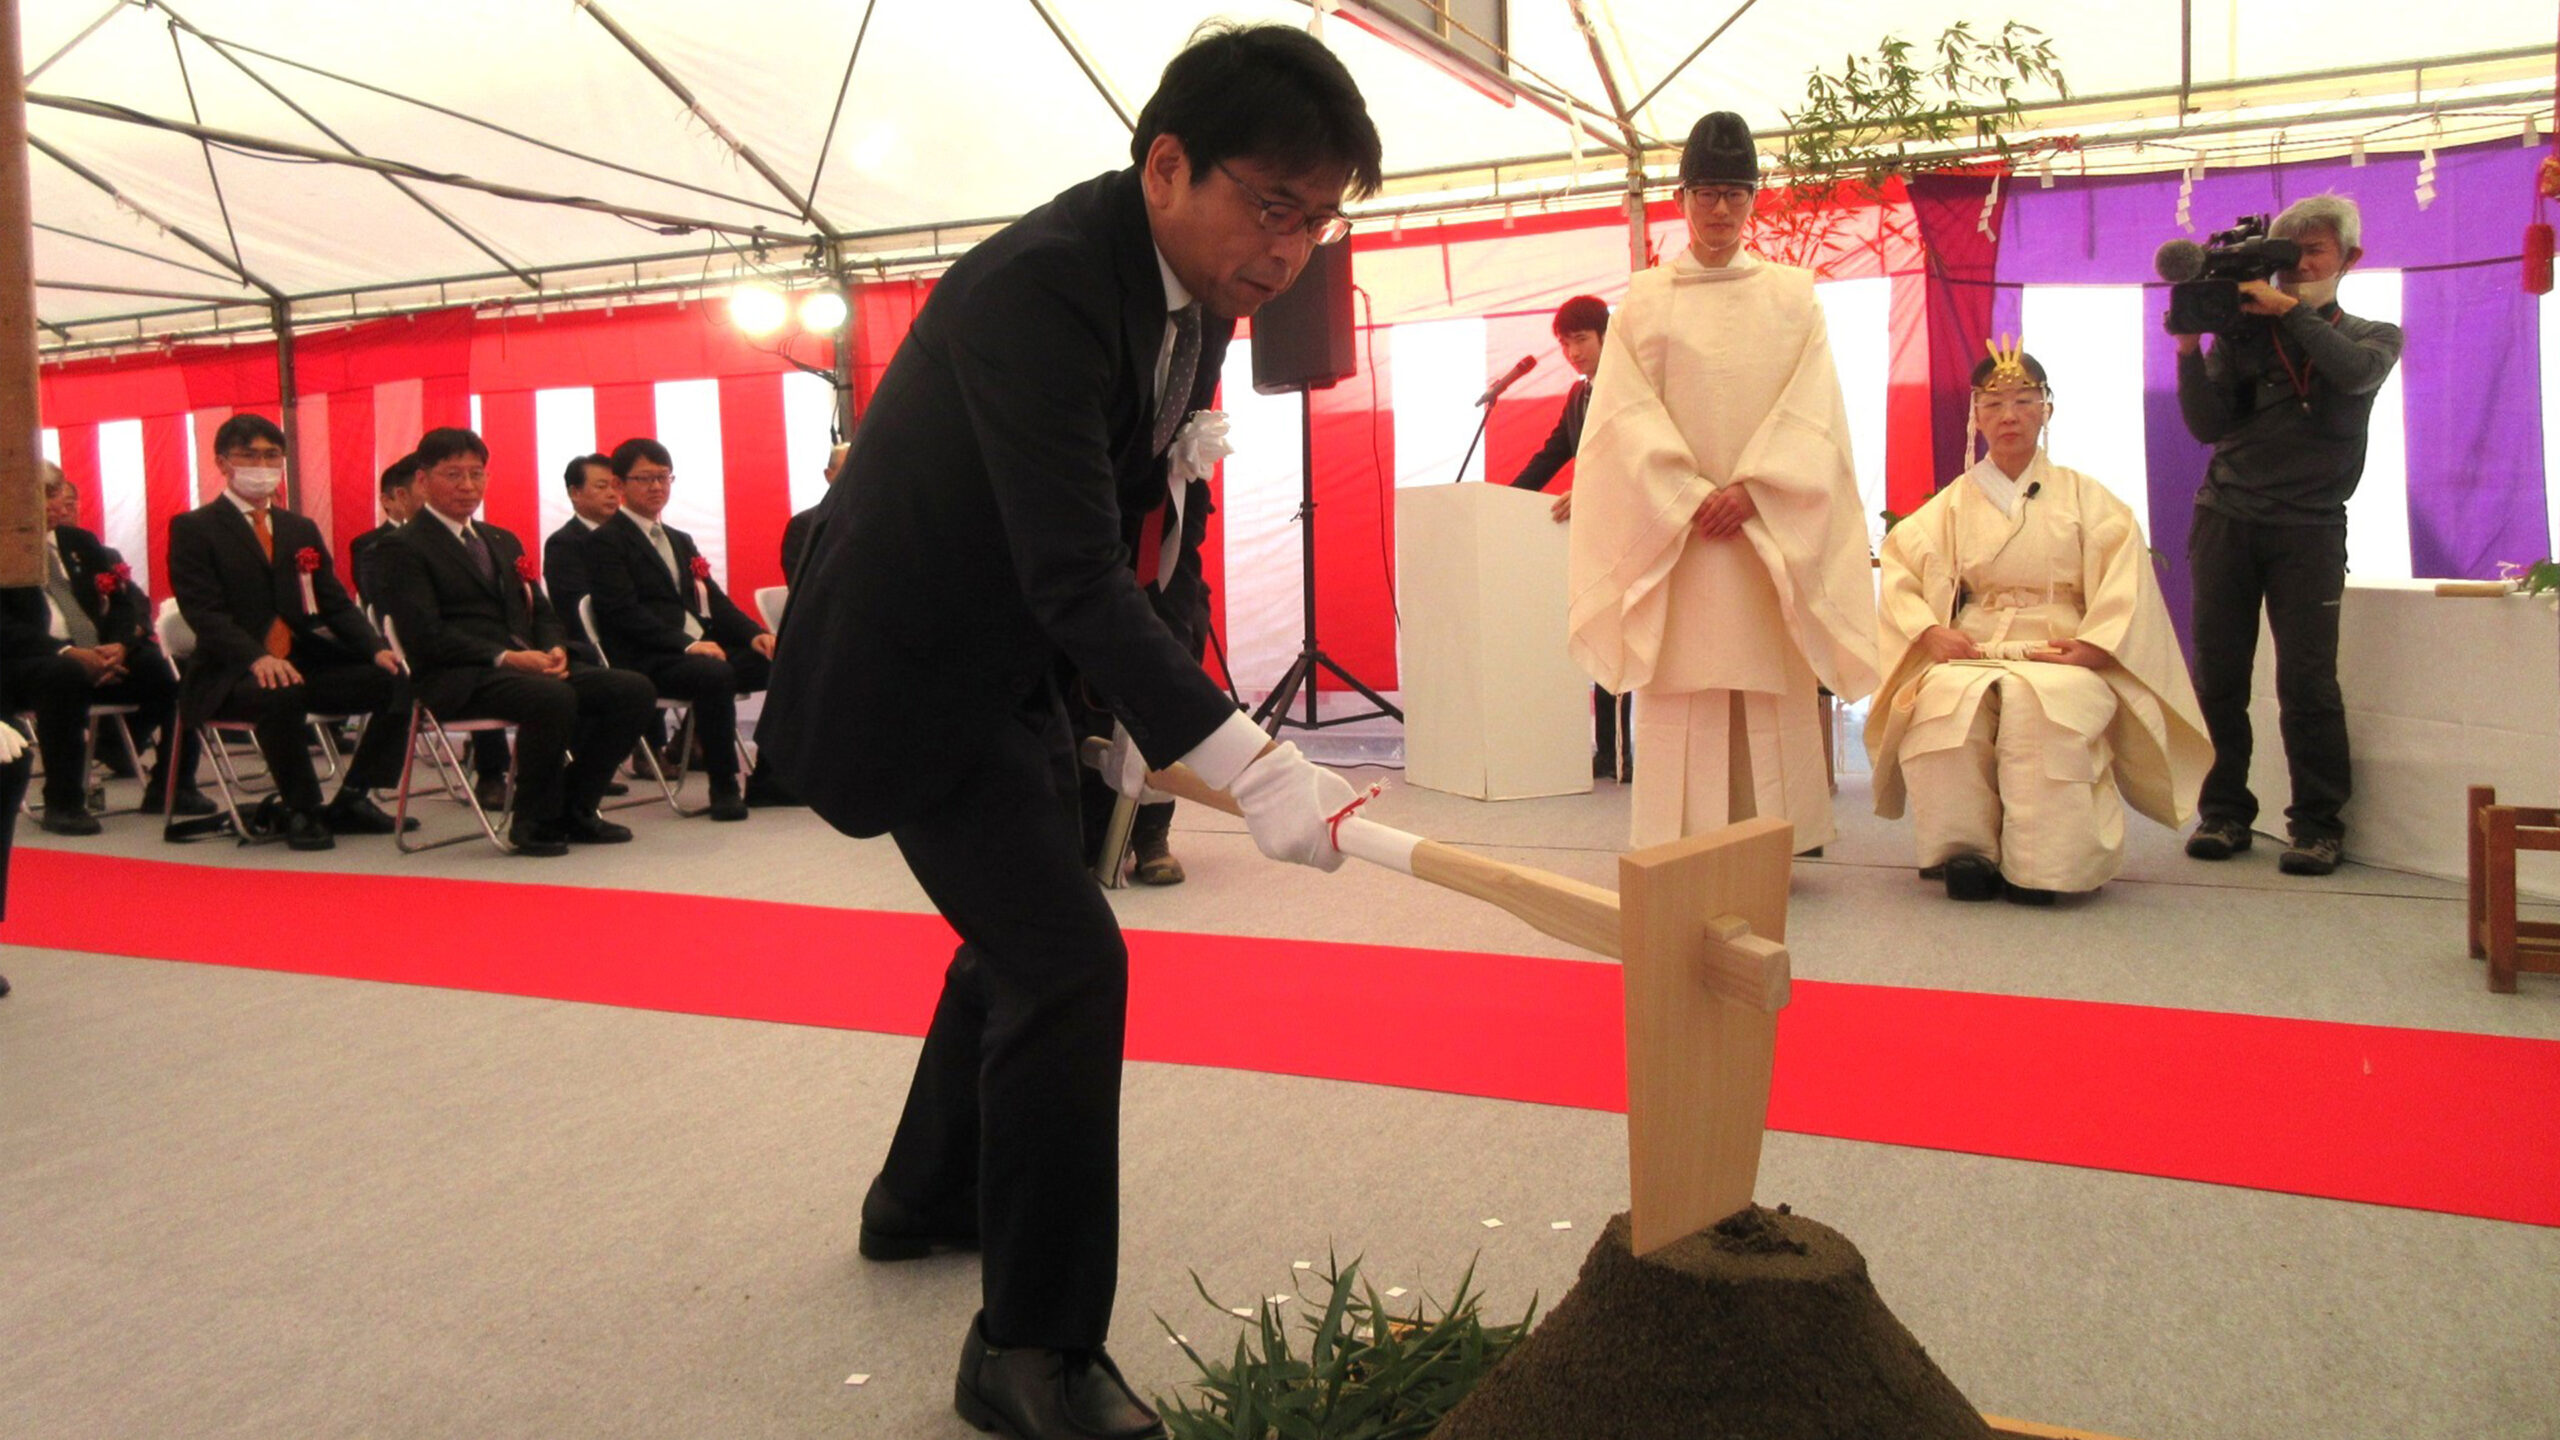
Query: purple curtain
{"x": 2473, "y": 382}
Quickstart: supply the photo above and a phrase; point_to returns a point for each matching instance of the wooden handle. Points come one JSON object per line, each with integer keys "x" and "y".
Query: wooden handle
{"x": 2484, "y": 589}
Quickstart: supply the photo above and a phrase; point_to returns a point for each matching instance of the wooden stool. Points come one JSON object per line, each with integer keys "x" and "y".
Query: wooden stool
{"x": 2496, "y": 832}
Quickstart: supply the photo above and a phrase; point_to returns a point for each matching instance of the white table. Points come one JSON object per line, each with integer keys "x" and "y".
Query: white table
{"x": 2442, "y": 693}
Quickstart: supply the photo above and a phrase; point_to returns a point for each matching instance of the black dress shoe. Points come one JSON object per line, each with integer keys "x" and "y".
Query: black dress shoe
{"x": 727, "y": 803}
{"x": 613, "y": 788}
{"x": 539, "y": 840}
{"x": 4, "y": 986}
{"x": 890, "y": 1231}
{"x": 593, "y": 829}
{"x": 354, "y": 813}
{"x": 71, "y": 819}
{"x": 1030, "y": 1394}
{"x": 190, "y": 801}
{"x": 305, "y": 830}
{"x": 1972, "y": 877}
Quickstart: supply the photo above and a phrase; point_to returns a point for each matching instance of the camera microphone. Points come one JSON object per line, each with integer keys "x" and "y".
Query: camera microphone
{"x": 2032, "y": 489}
{"x": 1510, "y": 377}
{"x": 2179, "y": 261}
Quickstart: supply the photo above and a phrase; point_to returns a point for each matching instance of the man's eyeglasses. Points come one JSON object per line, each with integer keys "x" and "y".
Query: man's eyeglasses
{"x": 643, "y": 477}
{"x": 1725, "y": 197}
{"x": 455, "y": 475}
{"x": 1282, "y": 218}
{"x": 254, "y": 457}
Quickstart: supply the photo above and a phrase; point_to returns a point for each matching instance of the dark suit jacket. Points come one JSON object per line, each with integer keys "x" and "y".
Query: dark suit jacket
{"x": 1561, "y": 444}
{"x": 639, "y": 608}
{"x": 121, "y": 617}
{"x": 795, "y": 539}
{"x": 360, "y": 558}
{"x": 980, "y": 533}
{"x": 564, "y": 575}
{"x": 230, "y": 592}
{"x": 26, "y": 624}
{"x": 453, "y": 623}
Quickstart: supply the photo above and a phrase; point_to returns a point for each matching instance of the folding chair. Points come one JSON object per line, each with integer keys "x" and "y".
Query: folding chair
{"x": 769, "y": 602}
{"x": 92, "y": 789}
{"x": 451, "y": 773}
{"x": 681, "y": 711}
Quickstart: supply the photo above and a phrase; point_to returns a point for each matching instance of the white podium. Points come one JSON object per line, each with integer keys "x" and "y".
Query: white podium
{"x": 1493, "y": 707}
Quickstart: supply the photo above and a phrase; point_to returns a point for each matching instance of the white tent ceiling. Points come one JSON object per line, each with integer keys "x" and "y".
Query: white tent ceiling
{"x": 962, "y": 112}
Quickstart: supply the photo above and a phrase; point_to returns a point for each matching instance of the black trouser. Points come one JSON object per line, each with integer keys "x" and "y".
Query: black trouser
{"x": 713, "y": 686}
{"x": 596, "y": 713}
{"x": 2299, "y": 573}
{"x": 1613, "y": 736}
{"x": 57, "y": 689}
{"x": 333, "y": 687}
{"x": 1017, "y": 1092}
{"x": 13, "y": 788}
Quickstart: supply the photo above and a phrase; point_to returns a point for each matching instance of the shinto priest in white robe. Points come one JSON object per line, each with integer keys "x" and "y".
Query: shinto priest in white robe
{"x": 2022, "y": 761}
{"x": 1713, "y": 377}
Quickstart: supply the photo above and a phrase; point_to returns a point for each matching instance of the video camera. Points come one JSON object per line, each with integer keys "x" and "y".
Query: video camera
{"x": 2204, "y": 280}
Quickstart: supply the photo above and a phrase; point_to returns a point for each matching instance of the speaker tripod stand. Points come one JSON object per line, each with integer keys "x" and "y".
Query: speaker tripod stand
{"x": 1273, "y": 713}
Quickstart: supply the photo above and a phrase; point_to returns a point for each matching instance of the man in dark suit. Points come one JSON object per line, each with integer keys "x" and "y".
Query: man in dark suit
{"x": 660, "y": 612}
{"x": 277, "y": 638}
{"x": 399, "y": 505}
{"x": 594, "y": 496}
{"x": 797, "y": 530}
{"x": 993, "y": 539}
{"x": 483, "y": 643}
{"x": 84, "y": 638}
{"x": 1581, "y": 324}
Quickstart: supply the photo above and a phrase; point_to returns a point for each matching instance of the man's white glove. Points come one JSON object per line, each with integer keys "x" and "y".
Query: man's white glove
{"x": 1287, "y": 801}
{"x": 12, "y": 743}
{"x": 1198, "y": 446}
{"x": 1126, "y": 770}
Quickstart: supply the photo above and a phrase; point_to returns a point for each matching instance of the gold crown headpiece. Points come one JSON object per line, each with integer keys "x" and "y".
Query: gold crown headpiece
{"x": 2008, "y": 364}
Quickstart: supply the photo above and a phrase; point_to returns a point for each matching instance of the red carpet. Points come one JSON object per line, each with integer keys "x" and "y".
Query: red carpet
{"x": 2426, "y": 1119}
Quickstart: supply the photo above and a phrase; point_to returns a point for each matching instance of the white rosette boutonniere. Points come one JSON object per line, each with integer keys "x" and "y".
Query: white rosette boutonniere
{"x": 1198, "y": 447}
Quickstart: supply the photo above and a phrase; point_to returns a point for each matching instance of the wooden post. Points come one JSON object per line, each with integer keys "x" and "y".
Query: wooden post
{"x": 21, "y": 490}
{"x": 1703, "y": 995}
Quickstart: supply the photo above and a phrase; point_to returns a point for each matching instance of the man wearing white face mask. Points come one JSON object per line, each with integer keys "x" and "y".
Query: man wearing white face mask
{"x": 277, "y": 638}
{"x": 2285, "y": 401}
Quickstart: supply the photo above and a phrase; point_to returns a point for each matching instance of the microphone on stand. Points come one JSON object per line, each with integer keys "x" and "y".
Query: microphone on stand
{"x": 1509, "y": 378}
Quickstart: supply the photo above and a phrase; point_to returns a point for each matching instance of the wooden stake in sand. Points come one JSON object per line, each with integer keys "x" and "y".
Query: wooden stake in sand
{"x": 1699, "y": 925}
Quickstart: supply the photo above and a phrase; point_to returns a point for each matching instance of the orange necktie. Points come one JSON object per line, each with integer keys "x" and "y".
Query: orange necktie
{"x": 279, "y": 634}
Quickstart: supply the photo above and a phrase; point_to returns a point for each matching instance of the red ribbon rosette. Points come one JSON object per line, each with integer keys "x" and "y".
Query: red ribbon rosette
{"x": 701, "y": 582}
{"x": 530, "y": 574}
{"x": 306, "y": 559}
{"x": 110, "y": 581}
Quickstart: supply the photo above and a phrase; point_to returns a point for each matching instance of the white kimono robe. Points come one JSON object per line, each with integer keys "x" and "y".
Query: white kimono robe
{"x": 1709, "y": 378}
{"x": 2022, "y": 761}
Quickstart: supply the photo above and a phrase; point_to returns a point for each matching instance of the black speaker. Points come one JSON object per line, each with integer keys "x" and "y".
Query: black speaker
{"x": 1302, "y": 339}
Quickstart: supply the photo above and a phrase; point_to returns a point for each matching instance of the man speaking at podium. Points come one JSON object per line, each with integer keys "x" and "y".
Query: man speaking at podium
{"x": 992, "y": 540}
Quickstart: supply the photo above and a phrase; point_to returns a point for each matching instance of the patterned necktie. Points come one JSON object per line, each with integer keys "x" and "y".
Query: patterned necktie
{"x": 279, "y": 634}
{"x": 480, "y": 555}
{"x": 83, "y": 631}
{"x": 1175, "y": 402}
{"x": 666, "y": 549}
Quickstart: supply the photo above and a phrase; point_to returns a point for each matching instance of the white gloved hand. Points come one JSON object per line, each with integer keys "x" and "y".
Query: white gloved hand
{"x": 1125, "y": 770}
{"x": 1287, "y": 801}
{"x": 12, "y": 743}
{"x": 1199, "y": 445}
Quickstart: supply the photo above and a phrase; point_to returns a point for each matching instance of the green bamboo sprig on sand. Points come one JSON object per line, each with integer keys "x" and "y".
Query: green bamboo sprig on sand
{"x": 1368, "y": 1371}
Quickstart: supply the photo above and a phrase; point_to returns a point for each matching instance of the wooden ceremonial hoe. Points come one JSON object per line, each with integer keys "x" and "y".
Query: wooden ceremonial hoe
{"x": 1699, "y": 926}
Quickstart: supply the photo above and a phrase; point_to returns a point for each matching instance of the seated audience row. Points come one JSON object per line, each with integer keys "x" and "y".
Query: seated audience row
{"x": 278, "y": 640}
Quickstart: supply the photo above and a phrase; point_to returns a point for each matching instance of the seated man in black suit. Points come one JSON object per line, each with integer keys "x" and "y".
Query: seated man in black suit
{"x": 659, "y": 612}
{"x": 399, "y": 504}
{"x": 277, "y": 638}
{"x": 594, "y": 496}
{"x": 84, "y": 638}
{"x": 484, "y": 643}
{"x": 795, "y": 531}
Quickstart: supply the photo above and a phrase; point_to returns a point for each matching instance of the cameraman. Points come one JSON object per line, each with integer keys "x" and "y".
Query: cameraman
{"x": 2284, "y": 399}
